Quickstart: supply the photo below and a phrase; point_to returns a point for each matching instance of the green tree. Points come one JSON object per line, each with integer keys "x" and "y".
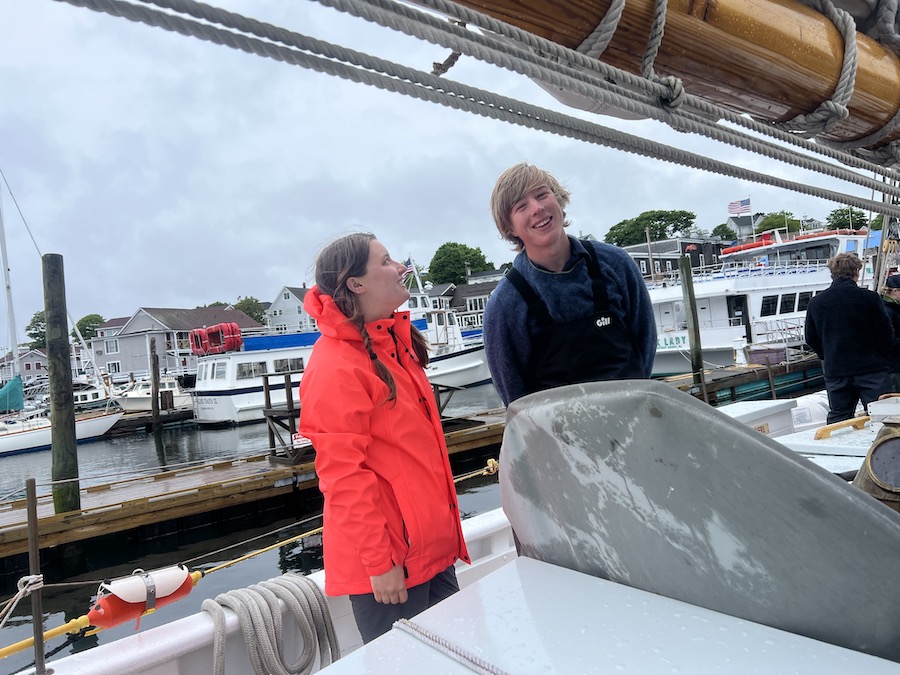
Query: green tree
{"x": 449, "y": 263}
{"x": 252, "y": 307}
{"x": 724, "y": 232}
{"x": 87, "y": 325}
{"x": 37, "y": 330}
{"x": 778, "y": 220}
{"x": 877, "y": 222}
{"x": 217, "y": 303}
{"x": 662, "y": 225}
{"x": 846, "y": 218}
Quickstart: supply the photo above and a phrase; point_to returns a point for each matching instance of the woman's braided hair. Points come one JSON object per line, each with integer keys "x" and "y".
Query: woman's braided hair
{"x": 336, "y": 263}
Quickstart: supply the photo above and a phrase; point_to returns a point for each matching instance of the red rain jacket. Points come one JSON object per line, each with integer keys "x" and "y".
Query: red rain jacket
{"x": 383, "y": 467}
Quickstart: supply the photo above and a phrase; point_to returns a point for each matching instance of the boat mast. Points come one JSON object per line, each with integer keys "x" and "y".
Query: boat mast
{"x": 10, "y": 315}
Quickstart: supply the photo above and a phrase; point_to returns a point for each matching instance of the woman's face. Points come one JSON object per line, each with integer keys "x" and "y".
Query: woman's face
{"x": 381, "y": 288}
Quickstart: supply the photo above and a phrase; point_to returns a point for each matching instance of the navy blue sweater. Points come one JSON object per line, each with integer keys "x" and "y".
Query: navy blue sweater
{"x": 568, "y": 296}
{"x": 849, "y": 329}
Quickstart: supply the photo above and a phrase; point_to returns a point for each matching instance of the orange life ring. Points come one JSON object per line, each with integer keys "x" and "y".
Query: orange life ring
{"x": 199, "y": 342}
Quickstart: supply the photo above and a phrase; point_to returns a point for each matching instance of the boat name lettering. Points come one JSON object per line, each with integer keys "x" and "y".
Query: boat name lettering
{"x": 670, "y": 342}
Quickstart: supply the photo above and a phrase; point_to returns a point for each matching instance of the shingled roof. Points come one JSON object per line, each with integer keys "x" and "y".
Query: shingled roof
{"x": 188, "y": 319}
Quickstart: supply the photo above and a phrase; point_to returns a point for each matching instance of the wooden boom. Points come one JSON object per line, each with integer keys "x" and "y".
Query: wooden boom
{"x": 774, "y": 59}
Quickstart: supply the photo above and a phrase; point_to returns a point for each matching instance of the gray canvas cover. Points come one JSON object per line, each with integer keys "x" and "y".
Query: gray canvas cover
{"x": 639, "y": 483}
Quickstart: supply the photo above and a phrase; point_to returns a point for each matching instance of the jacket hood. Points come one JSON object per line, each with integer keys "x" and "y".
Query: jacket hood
{"x": 334, "y": 323}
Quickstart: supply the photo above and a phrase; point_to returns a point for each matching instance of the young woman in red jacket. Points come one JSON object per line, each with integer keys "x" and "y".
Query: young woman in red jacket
{"x": 392, "y": 529}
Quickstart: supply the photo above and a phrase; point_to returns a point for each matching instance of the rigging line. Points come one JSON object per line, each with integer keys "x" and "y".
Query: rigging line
{"x": 605, "y": 70}
{"x": 415, "y": 18}
{"x": 21, "y": 215}
{"x": 568, "y": 78}
{"x": 424, "y": 86}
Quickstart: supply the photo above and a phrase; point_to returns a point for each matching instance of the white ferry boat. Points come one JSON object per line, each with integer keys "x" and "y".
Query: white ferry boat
{"x": 230, "y": 372}
{"x": 756, "y": 295}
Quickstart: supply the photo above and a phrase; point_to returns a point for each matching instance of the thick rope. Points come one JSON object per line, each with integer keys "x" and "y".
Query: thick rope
{"x": 676, "y": 89}
{"x": 259, "y": 612}
{"x": 597, "y": 42}
{"x": 834, "y": 110}
{"x": 446, "y": 647}
{"x": 414, "y": 83}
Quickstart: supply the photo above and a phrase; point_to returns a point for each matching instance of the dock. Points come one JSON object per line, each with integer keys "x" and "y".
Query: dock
{"x": 729, "y": 384}
{"x": 178, "y": 493}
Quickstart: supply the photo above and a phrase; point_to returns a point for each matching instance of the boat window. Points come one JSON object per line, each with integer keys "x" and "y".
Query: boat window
{"x": 441, "y": 319}
{"x": 218, "y": 370}
{"x": 803, "y": 301}
{"x": 201, "y": 371}
{"x": 413, "y": 302}
{"x": 769, "y": 305}
{"x": 788, "y": 301}
{"x": 288, "y": 365}
{"x": 247, "y": 370}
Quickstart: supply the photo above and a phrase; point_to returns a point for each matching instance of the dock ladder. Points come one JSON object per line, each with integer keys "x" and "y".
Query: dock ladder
{"x": 280, "y": 420}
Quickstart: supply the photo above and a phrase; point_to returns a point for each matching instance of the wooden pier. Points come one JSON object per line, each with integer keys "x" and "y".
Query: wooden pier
{"x": 749, "y": 382}
{"x": 169, "y": 495}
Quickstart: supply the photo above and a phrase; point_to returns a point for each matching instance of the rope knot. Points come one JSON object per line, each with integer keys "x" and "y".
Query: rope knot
{"x": 30, "y": 583}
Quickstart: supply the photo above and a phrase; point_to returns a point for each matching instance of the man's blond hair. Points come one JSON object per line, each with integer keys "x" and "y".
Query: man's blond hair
{"x": 512, "y": 185}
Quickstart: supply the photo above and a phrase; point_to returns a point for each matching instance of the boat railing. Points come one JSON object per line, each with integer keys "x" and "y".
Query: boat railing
{"x": 787, "y": 334}
{"x": 737, "y": 269}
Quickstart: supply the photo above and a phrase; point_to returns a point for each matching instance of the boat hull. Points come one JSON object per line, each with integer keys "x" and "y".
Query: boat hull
{"x": 39, "y": 437}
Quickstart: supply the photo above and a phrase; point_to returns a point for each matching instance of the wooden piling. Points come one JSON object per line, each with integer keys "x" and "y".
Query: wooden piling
{"x": 64, "y": 458}
{"x": 693, "y": 325}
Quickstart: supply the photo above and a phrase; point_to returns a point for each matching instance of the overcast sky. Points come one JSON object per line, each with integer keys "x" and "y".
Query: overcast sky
{"x": 171, "y": 172}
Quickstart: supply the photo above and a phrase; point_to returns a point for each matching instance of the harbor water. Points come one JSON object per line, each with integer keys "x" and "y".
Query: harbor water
{"x": 200, "y": 548}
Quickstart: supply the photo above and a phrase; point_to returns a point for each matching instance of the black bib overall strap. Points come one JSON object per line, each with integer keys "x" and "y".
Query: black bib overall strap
{"x": 595, "y": 347}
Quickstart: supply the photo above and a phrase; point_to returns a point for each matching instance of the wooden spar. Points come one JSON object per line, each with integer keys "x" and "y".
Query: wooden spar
{"x": 773, "y": 59}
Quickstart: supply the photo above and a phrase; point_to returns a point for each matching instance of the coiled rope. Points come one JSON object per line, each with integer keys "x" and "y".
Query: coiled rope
{"x": 259, "y": 612}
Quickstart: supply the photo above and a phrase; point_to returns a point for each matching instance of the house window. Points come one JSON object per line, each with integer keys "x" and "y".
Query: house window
{"x": 287, "y": 296}
{"x": 299, "y": 309}
{"x": 803, "y": 301}
{"x": 656, "y": 266}
{"x": 475, "y": 304}
{"x": 248, "y": 370}
{"x": 114, "y": 367}
{"x": 643, "y": 267}
{"x": 702, "y": 260}
{"x": 27, "y": 367}
{"x": 787, "y": 303}
{"x": 288, "y": 365}
{"x": 769, "y": 305}
{"x": 112, "y": 346}
{"x": 38, "y": 365}
{"x": 668, "y": 265}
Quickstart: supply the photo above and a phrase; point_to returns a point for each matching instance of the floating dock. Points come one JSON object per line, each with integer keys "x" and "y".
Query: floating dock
{"x": 750, "y": 382}
{"x": 170, "y": 495}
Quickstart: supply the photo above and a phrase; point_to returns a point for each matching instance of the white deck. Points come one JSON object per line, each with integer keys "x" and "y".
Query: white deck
{"x": 568, "y": 622}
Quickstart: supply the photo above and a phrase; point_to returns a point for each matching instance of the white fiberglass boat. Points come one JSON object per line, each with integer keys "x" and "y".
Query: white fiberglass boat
{"x": 138, "y": 398}
{"x": 755, "y": 296}
{"x": 31, "y": 434}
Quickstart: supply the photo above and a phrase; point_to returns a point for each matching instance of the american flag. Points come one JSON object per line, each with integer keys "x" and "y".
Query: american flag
{"x": 740, "y": 206}
{"x": 410, "y": 268}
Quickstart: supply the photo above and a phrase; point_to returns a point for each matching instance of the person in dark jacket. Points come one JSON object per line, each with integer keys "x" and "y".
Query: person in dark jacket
{"x": 849, "y": 329}
{"x": 569, "y": 310}
{"x": 890, "y": 293}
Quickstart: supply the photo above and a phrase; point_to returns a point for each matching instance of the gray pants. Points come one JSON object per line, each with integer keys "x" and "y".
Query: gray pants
{"x": 375, "y": 618}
